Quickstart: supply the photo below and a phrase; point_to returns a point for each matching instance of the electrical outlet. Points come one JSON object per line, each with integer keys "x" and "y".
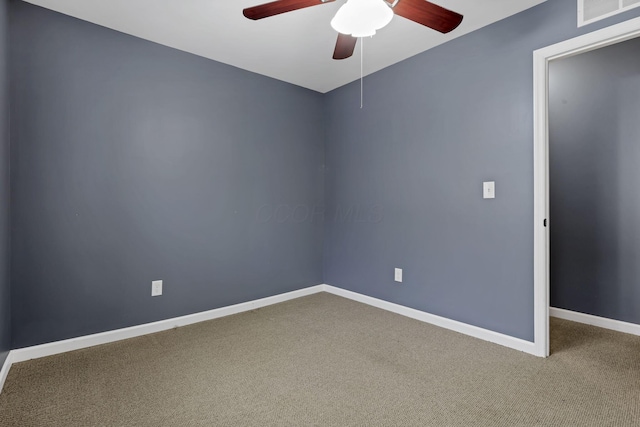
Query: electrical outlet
{"x": 398, "y": 275}
{"x": 156, "y": 288}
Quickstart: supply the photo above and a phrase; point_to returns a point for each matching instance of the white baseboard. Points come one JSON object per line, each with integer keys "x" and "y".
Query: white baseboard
{"x": 463, "y": 328}
{"x": 4, "y": 371}
{"x": 589, "y": 319}
{"x": 49, "y": 349}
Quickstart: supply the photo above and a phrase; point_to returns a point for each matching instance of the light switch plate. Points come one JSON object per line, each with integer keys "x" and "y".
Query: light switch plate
{"x": 156, "y": 288}
{"x": 489, "y": 190}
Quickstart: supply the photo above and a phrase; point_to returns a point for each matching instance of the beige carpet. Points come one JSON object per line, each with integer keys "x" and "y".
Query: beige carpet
{"x": 323, "y": 360}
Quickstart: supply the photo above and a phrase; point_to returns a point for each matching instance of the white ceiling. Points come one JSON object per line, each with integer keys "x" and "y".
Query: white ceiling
{"x": 295, "y": 47}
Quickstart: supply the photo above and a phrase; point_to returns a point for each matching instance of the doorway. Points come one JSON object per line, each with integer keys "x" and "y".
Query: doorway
{"x": 542, "y": 221}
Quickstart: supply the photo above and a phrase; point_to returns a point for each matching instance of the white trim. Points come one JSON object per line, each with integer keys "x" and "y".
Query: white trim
{"x": 50, "y": 349}
{"x": 43, "y": 350}
{"x": 540, "y": 212}
{"x": 5, "y": 370}
{"x": 541, "y": 58}
{"x": 463, "y": 328}
{"x": 602, "y": 322}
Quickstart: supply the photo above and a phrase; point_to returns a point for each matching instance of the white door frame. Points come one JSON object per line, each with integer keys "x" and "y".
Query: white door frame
{"x": 541, "y": 58}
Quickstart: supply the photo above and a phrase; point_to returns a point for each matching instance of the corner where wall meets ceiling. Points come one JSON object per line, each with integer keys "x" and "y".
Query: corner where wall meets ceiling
{"x": 294, "y": 47}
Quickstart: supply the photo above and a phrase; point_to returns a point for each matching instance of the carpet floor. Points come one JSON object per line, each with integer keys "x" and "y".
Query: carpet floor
{"x": 327, "y": 361}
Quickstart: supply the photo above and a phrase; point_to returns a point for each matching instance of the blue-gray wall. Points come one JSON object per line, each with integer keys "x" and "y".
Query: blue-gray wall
{"x": 132, "y": 162}
{"x": 594, "y": 132}
{"x": 5, "y": 303}
{"x": 433, "y": 128}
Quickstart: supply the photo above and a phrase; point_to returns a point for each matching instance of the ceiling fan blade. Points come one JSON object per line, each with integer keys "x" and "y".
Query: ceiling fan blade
{"x": 428, "y": 14}
{"x": 278, "y": 7}
{"x": 345, "y": 46}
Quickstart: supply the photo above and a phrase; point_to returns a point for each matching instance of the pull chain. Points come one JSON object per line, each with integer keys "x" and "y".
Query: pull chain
{"x": 361, "y": 71}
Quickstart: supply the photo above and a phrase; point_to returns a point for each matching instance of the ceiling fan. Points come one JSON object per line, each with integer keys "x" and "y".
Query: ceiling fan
{"x": 361, "y": 18}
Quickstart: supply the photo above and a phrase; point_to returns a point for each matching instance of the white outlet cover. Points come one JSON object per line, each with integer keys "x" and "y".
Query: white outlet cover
{"x": 398, "y": 275}
{"x": 489, "y": 190}
{"x": 156, "y": 288}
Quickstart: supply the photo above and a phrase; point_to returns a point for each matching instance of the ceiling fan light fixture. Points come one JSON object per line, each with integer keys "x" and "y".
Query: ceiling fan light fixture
{"x": 361, "y": 18}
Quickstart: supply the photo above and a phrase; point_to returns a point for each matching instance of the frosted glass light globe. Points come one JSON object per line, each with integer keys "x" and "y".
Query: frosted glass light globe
{"x": 361, "y": 18}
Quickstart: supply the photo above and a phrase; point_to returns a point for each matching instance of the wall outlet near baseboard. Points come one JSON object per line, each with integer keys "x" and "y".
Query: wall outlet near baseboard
{"x": 156, "y": 288}
{"x": 398, "y": 275}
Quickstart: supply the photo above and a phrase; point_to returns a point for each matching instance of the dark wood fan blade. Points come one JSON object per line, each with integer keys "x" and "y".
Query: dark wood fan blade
{"x": 278, "y": 7}
{"x": 428, "y": 14}
{"x": 345, "y": 46}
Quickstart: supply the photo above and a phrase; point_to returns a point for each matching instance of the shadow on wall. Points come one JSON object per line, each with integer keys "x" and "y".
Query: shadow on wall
{"x": 356, "y": 213}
